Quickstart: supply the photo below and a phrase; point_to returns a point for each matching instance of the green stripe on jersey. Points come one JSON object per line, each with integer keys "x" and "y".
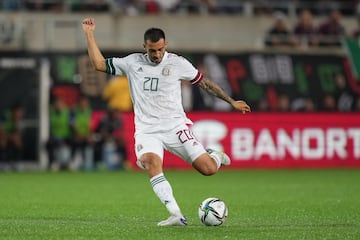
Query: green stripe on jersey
{"x": 110, "y": 66}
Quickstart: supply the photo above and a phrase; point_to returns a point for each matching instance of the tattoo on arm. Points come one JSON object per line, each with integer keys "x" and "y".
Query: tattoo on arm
{"x": 214, "y": 89}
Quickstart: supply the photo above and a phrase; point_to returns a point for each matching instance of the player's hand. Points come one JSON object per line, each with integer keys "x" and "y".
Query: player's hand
{"x": 88, "y": 25}
{"x": 241, "y": 106}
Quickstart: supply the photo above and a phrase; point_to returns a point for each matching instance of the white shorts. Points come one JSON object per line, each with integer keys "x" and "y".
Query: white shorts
{"x": 180, "y": 141}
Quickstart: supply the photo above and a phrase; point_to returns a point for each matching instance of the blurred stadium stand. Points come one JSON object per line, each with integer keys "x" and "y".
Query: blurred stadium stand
{"x": 132, "y": 7}
{"x": 45, "y": 30}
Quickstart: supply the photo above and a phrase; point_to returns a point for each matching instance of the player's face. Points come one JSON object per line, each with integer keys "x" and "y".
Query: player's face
{"x": 155, "y": 50}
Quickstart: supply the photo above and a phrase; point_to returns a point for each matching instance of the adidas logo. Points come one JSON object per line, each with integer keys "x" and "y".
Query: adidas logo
{"x": 140, "y": 69}
{"x": 183, "y": 220}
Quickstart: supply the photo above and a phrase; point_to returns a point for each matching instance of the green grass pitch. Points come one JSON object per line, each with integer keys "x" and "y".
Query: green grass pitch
{"x": 263, "y": 204}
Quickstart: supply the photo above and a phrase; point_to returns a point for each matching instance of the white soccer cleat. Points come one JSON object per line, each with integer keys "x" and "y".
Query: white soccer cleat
{"x": 225, "y": 159}
{"x": 174, "y": 221}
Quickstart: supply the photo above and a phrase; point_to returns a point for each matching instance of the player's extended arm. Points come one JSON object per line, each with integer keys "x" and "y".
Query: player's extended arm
{"x": 96, "y": 57}
{"x": 214, "y": 89}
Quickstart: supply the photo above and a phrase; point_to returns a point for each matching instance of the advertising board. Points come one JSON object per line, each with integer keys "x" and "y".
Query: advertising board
{"x": 262, "y": 140}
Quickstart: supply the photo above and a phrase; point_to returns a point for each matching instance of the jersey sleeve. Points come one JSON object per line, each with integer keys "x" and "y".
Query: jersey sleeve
{"x": 116, "y": 65}
{"x": 189, "y": 72}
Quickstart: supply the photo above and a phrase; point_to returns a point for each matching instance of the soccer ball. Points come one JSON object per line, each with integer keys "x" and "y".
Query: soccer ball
{"x": 213, "y": 212}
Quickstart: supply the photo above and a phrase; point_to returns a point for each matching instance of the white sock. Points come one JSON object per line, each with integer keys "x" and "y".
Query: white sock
{"x": 215, "y": 155}
{"x": 164, "y": 191}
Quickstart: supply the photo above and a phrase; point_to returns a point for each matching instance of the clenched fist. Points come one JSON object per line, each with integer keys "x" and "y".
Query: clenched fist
{"x": 88, "y": 25}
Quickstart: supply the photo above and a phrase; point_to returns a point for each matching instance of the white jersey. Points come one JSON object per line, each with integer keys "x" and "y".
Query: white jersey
{"x": 156, "y": 89}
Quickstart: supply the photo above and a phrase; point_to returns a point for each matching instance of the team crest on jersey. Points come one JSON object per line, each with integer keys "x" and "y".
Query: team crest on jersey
{"x": 166, "y": 71}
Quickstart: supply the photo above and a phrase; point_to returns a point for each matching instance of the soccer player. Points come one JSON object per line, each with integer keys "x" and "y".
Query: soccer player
{"x": 160, "y": 121}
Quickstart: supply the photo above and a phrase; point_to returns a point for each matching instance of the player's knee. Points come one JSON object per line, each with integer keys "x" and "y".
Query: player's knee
{"x": 151, "y": 162}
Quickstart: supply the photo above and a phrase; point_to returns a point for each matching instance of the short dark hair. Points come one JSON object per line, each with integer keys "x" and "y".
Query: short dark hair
{"x": 154, "y": 34}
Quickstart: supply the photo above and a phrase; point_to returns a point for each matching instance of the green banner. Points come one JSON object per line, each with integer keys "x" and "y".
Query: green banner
{"x": 353, "y": 49}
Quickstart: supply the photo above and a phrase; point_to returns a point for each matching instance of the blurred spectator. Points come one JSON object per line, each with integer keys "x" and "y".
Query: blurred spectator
{"x": 263, "y": 105}
{"x": 229, "y": 6}
{"x": 325, "y": 7}
{"x": 283, "y": 103}
{"x": 11, "y": 138}
{"x": 152, "y": 7}
{"x": 303, "y": 105}
{"x": 129, "y": 7}
{"x": 99, "y": 6}
{"x": 82, "y": 134}
{"x": 117, "y": 94}
{"x": 329, "y": 103}
{"x": 75, "y": 5}
{"x": 59, "y": 142}
{"x": 167, "y": 6}
{"x": 215, "y": 70}
{"x": 343, "y": 95}
{"x": 310, "y": 106}
{"x": 279, "y": 35}
{"x": 304, "y": 29}
{"x": 271, "y": 6}
{"x": 110, "y": 143}
{"x": 263, "y": 7}
{"x": 11, "y": 5}
{"x": 43, "y": 5}
{"x": 331, "y": 31}
{"x": 135, "y": 7}
{"x": 197, "y": 6}
{"x": 92, "y": 6}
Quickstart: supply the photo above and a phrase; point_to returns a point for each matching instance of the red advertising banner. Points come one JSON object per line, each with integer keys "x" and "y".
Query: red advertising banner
{"x": 278, "y": 140}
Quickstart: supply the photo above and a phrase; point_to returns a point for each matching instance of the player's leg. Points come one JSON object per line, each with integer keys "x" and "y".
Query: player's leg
{"x": 184, "y": 144}
{"x": 208, "y": 163}
{"x": 149, "y": 151}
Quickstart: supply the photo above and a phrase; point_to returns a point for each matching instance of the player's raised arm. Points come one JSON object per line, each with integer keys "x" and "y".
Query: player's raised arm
{"x": 214, "y": 89}
{"x": 96, "y": 57}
